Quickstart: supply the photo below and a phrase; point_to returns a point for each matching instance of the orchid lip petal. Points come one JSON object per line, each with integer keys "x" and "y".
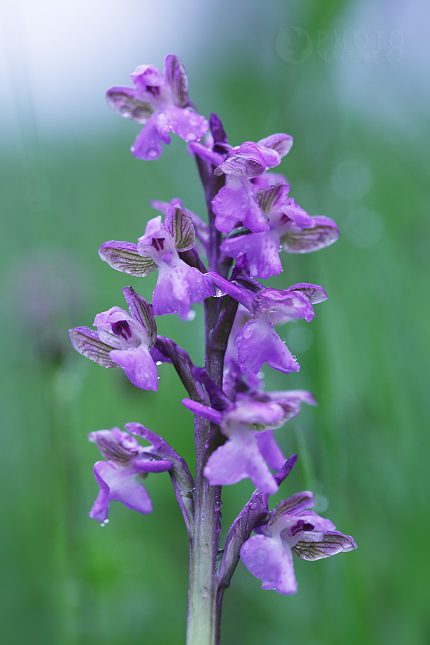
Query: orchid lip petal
{"x": 138, "y": 365}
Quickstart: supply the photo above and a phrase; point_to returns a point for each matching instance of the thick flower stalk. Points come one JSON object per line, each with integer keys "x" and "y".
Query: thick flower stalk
{"x": 250, "y": 219}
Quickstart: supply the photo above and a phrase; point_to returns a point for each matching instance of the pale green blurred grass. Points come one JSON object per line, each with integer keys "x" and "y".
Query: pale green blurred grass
{"x": 66, "y": 581}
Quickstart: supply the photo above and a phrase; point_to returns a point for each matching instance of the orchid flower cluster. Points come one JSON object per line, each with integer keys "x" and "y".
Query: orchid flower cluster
{"x": 217, "y": 262}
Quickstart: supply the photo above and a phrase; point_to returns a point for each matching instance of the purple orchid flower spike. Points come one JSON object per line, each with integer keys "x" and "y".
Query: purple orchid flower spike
{"x": 291, "y": 529}
{"x": 237, "y": 201}
{"x": 290, "y": 228}
{"x": 179, "y": 285}
{"x": 161, "y": 103}
{"x": 118, "y": 477}
{"x": 248, "y": 424}
{"x": 258, "y": 342}
{"x": 123, "y": 340}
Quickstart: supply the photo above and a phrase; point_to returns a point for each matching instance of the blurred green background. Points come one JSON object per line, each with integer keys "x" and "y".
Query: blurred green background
{"x": 348, "y": 81}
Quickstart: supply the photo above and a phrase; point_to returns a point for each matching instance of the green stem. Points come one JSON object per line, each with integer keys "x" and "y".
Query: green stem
{"x": 202, "y": 628}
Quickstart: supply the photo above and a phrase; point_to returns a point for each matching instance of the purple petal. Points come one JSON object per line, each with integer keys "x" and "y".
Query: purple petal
{"x": 176, "y": 77}
{"x": 256, "y": 415}
{"x": 178, "y": 286}
{"x": 115, "y": 445}
{"x": 201, "y": 228}
{"x": 180, "y": 226}
{"x": 293, "y": 505}
{"x": 280, "y": 142}
{"x": 322, "y": 232}
{"x": 148, "y": 144}
{"x": 270, "y": 449}
{"x": 332, "y": 543}
{"x": 145, "y": 465}
{"x": 100, "y": 509}
{"x": 217, "y": 129}
{"x": 237, "y": 459}
{"x": 123, "y": 487}
{"x": 293, "y": 304}
{"x": 236, "y": 202}
{"x": 273, "y": 197}
{"x": 123, "y": 101}
{"x": 141, "y": 311}
{"x": 124, "y": 257}
{"x": 259, "y": 343}
{"x": 263, "y": 182}
{"x": 87, "y": 342}
{"x": 145, "y": 76}
{"x": 266, "y": 559}
{"x": 314, "y": 292}
{"x": 292, "y": 397}
{"x": 249, "y": 160}
{"x": 182, "y": 121}
{"x": 154, "y": 228}
{"x": 138, "y": 365}
{"x": 290, "y": 401}
{"x": 293, "y": 211}
{"x": 262, "y": 251}
{"x": 203, "y": 411}
{"x": 320, "y": 525}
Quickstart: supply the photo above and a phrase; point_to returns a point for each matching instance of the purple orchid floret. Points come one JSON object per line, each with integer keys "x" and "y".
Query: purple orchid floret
{"x": 237, "y": 200}
{"x": 118, "y": 477}
{"x": 179, "y": 285}
{"x": 290, "y": 229}
{"x": 123, "y": 340}
{"x": 291, "y": 529}
{"x": 161, "y": 103}
{"x": 258, "y": 342}
{"x": 248, "y": 424}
